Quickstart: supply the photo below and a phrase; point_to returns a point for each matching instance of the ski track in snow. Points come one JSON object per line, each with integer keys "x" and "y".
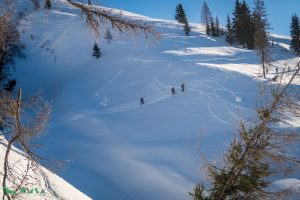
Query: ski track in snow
{"x": 49, "y": 186}
{"x": 102, "y": 91}
{"x": 165, "y": 95}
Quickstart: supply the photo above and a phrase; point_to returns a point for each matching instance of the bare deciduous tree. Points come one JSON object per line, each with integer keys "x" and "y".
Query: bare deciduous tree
{"x": 206, "y": 17}
{"x": 22, "y": 121}
{"x": 97, "y": 15}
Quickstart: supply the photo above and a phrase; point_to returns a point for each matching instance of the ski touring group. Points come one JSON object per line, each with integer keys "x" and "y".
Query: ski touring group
{"x": 173, "y": 92}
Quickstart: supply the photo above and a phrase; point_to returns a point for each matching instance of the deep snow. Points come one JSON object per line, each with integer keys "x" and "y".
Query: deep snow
{"x": 118, "y": 149}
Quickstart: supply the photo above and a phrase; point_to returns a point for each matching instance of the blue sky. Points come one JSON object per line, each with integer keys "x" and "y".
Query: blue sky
{"x": 280, "y": 11}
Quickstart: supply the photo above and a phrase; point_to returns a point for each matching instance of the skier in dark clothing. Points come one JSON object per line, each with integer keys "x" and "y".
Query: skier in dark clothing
{"x": 182, "y": 87}
{"x": 173, "y": 91}
{"x": 142, "y": 101}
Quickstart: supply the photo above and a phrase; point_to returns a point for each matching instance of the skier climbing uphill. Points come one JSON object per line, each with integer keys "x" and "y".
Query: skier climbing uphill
{"x": 142, "y": 101}
{"x": 173, "y": 91}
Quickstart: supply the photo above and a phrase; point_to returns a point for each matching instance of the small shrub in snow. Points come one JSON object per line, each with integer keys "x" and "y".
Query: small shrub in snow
{"x": 96, "y": 51}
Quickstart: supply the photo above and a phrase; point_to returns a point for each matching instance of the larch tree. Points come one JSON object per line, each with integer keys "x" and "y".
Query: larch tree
{"x": 247, "y": 31}
{"x": 206, "y": 17}
{"x": 261, "y": 35}
{"x": 218, "y": 29}
{"x": 180, "y": 14}
{"x": 186, "y": 28}
{"x": 222, "y": 31}
{"x": 295, "y": 34}
{"x": 229, "y": 33}
{"x": 242, "y": 25}
{"x": 96, "y": 16}
{"x": 48, "y": 4}
{"x": 10, "y": 45}
{"x": 96, "y": 51}
{"x": 236, "y": 21}
{"x": 212, "y": 27}
{"x": 108, "y": 36}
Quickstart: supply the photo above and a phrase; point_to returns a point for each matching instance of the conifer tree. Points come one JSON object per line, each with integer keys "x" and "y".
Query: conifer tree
{"x": 208, "y": 29}
{"x": 242, "y": 25}
{"x": 295, "y": 34}
{"x": 247, "y": 36}
{"x": 206, "y": 17}
{"x": 236, "y": 24}
{"x": 180, "y": 14}
{"x": 10, "y": 45}
{"x": 229, "y": 34}
{"x": 186, "y": 28}
{"x": 261, "y": 35}
{"x": 108, "y": 36}
{"x": 212, "y": 27}
{"x": 48, "y": 4}
{"x": 218, "y": 30}
{"x": 96, "y": 51}
{"x": 177, "y": 13}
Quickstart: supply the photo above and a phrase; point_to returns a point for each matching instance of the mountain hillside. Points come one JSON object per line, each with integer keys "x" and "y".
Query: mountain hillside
{"x": 116, "y": 148}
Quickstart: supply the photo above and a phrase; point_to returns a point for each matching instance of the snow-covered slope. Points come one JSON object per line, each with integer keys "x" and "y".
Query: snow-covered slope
{"x": 117, "y": 148}
{"x": 42, "y": 183}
